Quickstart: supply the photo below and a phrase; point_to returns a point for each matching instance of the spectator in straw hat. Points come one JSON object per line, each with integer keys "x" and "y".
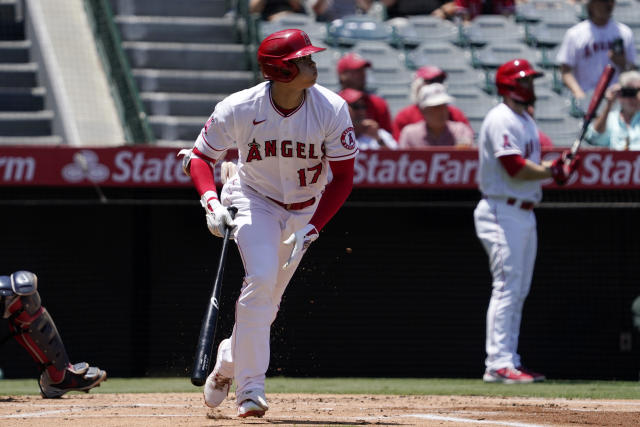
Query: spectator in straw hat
{"x": 436, "y": 129}
{"x": 412, "y": 114}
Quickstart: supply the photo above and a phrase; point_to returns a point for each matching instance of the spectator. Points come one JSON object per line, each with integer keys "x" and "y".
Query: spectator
{"x": 469, "y": 9}
{"x": 412, "y": 114}
{"x": 368, "y": 133}
{"x": 328, "y": 10}
{"x": 619, "y": 129}
{"x": 402, "y": 8}
{"x": 589, "y": 46}
{"x": 352, "y": 74}
{"x": 436, "y": 129}
{"x": 271, "y": 10}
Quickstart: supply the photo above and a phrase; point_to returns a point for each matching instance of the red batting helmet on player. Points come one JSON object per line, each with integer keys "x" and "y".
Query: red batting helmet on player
{"x": 277, "y": 50}
{"x": 507, "y": 80}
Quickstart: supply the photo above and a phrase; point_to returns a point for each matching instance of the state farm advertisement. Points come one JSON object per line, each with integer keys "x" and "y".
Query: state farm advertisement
{"x": 146, "y": 166}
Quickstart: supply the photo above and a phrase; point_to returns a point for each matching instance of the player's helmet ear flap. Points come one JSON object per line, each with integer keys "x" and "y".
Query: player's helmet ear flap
{"x": 507, "y": 80}
{"x": 278, "y": 49}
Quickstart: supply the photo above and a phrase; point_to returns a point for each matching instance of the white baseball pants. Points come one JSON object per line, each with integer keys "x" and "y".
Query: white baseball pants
{"x": 508, "y": 234}
{"x": 262, "y": 226}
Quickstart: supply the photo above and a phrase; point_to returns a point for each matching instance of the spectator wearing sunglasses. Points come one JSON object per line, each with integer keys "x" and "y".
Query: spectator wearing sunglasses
{"x": 369, "y": 135}
{"x": 412, "y": 114}
{"x": 619, "y": 128}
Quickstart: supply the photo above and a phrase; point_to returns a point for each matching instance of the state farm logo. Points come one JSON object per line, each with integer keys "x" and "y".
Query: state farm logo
{"x": 127, "y": 167}
{"x": 86, "y": 165}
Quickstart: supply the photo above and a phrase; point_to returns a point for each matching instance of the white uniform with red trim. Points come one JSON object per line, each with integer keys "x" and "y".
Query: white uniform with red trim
{"x": 506, "y": 226}
{"x": 281, "y": 160}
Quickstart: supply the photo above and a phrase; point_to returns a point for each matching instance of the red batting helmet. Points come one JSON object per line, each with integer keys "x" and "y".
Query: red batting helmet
{"x": 277, "y": 50}
{"x": 507, "y": 80}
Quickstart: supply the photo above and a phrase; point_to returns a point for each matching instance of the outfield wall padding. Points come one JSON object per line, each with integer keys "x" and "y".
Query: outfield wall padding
{"x": 395, "y": 289}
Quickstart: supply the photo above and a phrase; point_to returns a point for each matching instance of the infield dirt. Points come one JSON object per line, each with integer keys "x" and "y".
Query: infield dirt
{"x": 187, "y": 409}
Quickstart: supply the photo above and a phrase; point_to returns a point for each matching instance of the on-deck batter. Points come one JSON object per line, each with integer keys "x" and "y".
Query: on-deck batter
{"x": 510, "y": 177}
{"x": 288, "y": 132}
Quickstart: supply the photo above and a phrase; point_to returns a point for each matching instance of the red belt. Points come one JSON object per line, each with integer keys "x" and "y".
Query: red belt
{"x": 527, "y": 206}
{"x": 294, "y": 206}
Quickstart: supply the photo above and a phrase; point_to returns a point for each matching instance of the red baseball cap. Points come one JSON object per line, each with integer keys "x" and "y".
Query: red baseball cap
{"x": 351, "y": 95}
{"x": 429, "y": 72}
{"x": 352, "y": 61}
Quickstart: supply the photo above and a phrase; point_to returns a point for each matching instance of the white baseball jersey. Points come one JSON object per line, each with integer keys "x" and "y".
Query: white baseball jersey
{"x": 585, "y": 49}
{"x": 282, "y": 157}
{"x": 505, "y": 132}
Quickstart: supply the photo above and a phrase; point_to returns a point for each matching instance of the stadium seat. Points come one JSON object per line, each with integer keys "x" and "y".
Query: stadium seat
{"x": 488, "y": 29}
{"x": 378, "y": 78}
{"x": 380, "y": 54}
{"x": 417, "y": 29}
{"x": 561, "y": 129}
{"x": 306, "y": 23}
{"x": 348, "y": 30}
{"x": 551, "y": 103}
{"x": 548, "y": 33}
{"x": 175, "y": 68}
{"x": 547, "y": 11}
{"x": 626, "y": 11}
{"x": 465, "y": 77}
{"x": 474, "y": 103}
{"x": 397, "y": 98}
{"x": 27, "y": 115}
{"x": 547, "y": 56}
{"x": 443, "y": 55}
{"x": 327, "y": 76}
{"x": 492, "y": 56}
{"x": 328, "y": 58}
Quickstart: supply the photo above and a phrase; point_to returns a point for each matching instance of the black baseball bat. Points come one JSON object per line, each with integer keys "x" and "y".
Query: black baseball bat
{"x": 204, "y": 350}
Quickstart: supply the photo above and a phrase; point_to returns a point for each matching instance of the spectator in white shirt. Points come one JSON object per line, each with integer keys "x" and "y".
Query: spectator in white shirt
{"x": 589, "y": 46}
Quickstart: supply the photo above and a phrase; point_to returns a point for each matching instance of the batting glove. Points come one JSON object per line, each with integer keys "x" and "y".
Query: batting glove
{"x": 301, "y": 240}
{"x": 564, "y": 166}
{"x": 218, "y": 217}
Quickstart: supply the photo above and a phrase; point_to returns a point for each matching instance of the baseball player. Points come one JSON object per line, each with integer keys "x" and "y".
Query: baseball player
{"x": 32, "y": 326}
{"x": 510, "y": 174}
{"x": 289, "y": 133}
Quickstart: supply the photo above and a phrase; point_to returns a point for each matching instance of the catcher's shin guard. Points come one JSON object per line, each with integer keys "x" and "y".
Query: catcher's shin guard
{"x": 29, "y": 322}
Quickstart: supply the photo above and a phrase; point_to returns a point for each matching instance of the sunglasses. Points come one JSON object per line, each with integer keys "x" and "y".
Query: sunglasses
{"x": 629, "y": 92}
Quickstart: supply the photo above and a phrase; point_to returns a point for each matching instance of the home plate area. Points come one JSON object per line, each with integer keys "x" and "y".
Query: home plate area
{"x": 178, "y": 409}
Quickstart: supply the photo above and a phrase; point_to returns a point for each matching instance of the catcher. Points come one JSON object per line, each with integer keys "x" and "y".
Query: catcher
{"x": 32, "y": 326}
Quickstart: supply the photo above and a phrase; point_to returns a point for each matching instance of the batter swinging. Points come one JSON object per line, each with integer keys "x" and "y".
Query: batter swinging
{"x": 288, "y": 132}
{"x": 510, "y": 177}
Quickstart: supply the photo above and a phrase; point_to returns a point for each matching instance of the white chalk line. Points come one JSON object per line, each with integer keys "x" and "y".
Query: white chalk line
{"x": 111, "y": 405}
{"x": 471, "y": 420}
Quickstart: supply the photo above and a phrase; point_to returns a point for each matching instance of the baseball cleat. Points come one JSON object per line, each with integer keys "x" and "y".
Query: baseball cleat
{"x": 253, "y": 403}
{"x": 78, "y": 377}
{"x": 537, "y": 377}
{"x": 507, "y": 376}
{"x": 217, "y": 386}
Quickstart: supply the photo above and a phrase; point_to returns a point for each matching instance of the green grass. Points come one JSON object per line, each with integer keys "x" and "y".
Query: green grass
{"x": 395, "y": 386}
